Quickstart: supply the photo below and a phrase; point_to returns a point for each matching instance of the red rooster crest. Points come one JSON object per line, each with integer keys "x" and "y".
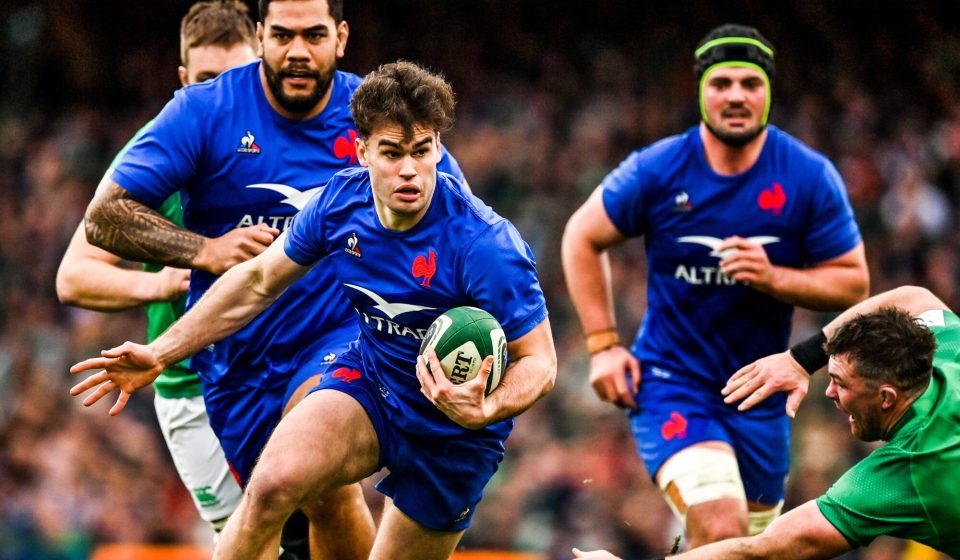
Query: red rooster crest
{"x": 346, "y": 147}
{"x": 676, "y": 426}
{"x": 424, "y": 267}
{"x": 773, "y": 199}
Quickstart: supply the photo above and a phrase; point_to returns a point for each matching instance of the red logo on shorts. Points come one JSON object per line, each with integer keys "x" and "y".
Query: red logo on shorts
{"x": 676, "y": 426}
{"x": 424, "y": 267}
{"x": 346, "y": 374}
{"x": 773, "y": 199}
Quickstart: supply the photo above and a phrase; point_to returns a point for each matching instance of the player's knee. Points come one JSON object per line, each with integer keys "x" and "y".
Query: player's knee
{"x": 715, "y": 521}
{"x": 706, "y": 480}
{"x": 274, "y": 492}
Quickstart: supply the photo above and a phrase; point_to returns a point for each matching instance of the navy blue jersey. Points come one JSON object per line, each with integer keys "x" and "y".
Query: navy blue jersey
{"x": 237, "y": 162}
{"x": 460, "y": 253}
{"x": 699, "y": 321}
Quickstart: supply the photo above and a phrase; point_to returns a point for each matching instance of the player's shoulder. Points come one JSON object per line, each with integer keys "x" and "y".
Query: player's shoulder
{"x": 654, "y": 164}
{"x": 340, "y": 198}
{"x": 227, "y": 93}
{"x": 474, "y": 222}
{"x": 797, "y": 150}
{"x": 344, "y": 84}
{"x": 349, "y": 181}
{"x": 349, "y": 80}
{"x": 463, "y": 203}
{"x": 220, "y": 92}
{"x": 667, "y": 150}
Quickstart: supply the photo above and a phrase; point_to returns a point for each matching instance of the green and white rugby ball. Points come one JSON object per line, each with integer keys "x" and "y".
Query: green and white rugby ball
{"x": 462, "y": 337}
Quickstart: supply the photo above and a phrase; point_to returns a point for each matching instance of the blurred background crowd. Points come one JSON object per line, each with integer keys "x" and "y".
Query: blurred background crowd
{"x": 551, "y": 98}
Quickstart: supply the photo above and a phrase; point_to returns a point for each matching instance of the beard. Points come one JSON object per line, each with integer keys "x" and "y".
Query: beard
{"x": 301, "y": 103}
{"x": 737, "y": 139}
{"x": 867, "y": 427}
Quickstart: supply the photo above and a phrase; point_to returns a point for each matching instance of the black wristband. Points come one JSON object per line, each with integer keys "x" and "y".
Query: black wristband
{"x": 810, "y": 353}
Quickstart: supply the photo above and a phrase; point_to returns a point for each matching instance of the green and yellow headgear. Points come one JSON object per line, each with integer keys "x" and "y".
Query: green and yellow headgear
{"x": 734, "y": 45}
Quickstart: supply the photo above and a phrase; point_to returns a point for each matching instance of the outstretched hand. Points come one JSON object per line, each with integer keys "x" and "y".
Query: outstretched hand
{"x": 766, "y": 376}
{"x": 127, "y": 367}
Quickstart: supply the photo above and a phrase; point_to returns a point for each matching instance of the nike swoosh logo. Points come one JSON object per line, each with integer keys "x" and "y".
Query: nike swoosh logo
{"x": 391, "y": 310}
{"x": 713, "y": 242}
{"x": 294, "y": 197}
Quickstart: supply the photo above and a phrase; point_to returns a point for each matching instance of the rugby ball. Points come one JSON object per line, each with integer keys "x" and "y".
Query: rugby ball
{"x": 462, "y": 337}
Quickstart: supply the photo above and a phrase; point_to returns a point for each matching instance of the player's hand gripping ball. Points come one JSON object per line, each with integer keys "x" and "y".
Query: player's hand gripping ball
{"x": 462, "y": 337}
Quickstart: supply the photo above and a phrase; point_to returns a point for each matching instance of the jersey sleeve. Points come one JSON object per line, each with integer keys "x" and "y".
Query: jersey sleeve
{"x": 126, "y": 147}
{"x": 501, "y": 277}
{"x": 304, "y": 241}
{"x": 876, "y": 497}
{"x": 623, "y": 192}
{"x": 165, "y": 157}
{"x": 832, "y": 228}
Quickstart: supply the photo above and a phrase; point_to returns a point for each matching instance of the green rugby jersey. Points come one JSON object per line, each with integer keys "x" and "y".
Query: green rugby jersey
{"x": 910, "y": 487}
{"x": 177, "y": 381}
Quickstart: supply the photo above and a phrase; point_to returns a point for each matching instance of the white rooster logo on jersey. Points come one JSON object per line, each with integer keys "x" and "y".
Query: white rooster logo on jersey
{"x": 294, "y": 197}
{"x": 713, "y": 243}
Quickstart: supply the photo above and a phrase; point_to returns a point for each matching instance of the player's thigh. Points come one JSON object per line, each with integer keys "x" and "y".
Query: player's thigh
{"x": 438, "y": 481}
{"x": 672, "y": 416}
{"x": 300, "y": 391}
{"x": 326, "y": 441}
{"x": 197, "y": 456}
{"x": 402, "y": 538}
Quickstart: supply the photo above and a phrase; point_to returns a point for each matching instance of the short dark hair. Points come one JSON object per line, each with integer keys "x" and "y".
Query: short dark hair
{"x": 216, "y": 22}
{"x": 887, "y": 346}
{"x": 335, "y": 7}
{"x": 405, "y": 94}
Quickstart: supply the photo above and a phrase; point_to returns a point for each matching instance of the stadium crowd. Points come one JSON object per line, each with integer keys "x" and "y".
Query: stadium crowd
{"x": 549, "y": 101}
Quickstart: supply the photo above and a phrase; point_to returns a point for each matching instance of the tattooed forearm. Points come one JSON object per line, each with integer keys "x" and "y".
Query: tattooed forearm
{"x": 130, "y": 229}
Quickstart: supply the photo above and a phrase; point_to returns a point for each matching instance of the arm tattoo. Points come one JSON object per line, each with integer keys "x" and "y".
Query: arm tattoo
{"x": 118, "y": 223}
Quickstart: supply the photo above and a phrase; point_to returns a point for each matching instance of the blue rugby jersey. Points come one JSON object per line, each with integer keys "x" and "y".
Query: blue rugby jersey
{"x": 699, "y": 322}
{"x": 460, "y": 253}
{"x": 237, "y": 162}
